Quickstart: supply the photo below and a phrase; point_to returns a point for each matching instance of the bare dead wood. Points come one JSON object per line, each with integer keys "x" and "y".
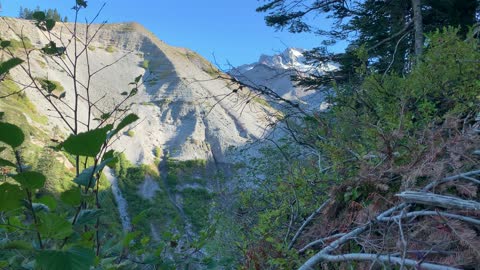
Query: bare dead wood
{"x": 388, "y": 259}
{"x": 310, "y": 218}
{"x": 320, "y": 241}
{"x": 324, "y": 254}
{"x": 431, "y": 199}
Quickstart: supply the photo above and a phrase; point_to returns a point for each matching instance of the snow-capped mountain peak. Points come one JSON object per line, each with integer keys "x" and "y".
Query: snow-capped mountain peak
{"x": 276, "y": 71}
{"x": 291, "y": 59}
{"x": 288, "y": 59}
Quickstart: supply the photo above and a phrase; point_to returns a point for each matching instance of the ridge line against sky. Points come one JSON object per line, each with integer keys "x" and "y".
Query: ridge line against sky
{"x": 223, "y": 31}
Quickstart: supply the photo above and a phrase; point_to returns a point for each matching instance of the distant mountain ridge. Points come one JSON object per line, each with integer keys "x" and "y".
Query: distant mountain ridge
{"x": 276, "y": 71}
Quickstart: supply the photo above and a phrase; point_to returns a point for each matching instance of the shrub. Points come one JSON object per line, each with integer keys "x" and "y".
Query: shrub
{"x": 110, "y": 49}
{"x": 145, "y": 64}
{"x": 19, "y": 44}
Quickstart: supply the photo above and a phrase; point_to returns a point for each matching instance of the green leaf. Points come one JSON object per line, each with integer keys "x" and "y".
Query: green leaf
{"x": 2, "y": 148}
{"x": 75, "y": 258}
{"x": 137, "y": 79}
{"x": 30, "y": 180}
{"x": 49, "y": 24}
{"x": 6, "y": 163}
{"x": 129, "y": 238}
{"x": 5, "y": 43}
{"x": 10, "y": 196}
{"x": 15, "y": 222}
{"x": 105, "y": 116}
{"x": 72, "y": 196}
{"x": 49, "y": 201}
{"x": 47, "y": 85}
{"x": 52, "y": 49}
{"x": 84, "y": 177}
{"x": 88, "y": 143}
{"x": 53, "y": 226}
{"x": 82, "y": 3}
{"x": 88, "y": 216}
{"x": 11, "y": 135}
{"x": 140, "y": 217}
{"x": 15, "y": 245}
{"x": 111, "y": 156}
{"x": 124, "y": 94}
{"x": 39, "y": 15}
{"x": 125, "y": 122}
{"x": 9, "y": 64}
{"x": 133, "y": 92}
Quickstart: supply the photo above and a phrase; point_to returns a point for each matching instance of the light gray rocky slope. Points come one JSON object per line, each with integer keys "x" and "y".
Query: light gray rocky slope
{"x": 181, "y": 105}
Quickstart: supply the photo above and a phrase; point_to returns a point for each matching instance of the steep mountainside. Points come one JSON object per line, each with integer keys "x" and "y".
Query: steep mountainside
{"x": 193, "y": 130}
{"x": 182, "y": 108}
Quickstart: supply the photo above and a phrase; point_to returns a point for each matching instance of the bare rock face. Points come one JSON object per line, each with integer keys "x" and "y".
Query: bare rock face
{"x": 183, "y": 105}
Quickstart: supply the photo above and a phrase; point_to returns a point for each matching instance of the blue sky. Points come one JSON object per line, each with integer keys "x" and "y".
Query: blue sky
{"x": 220, "y": 30}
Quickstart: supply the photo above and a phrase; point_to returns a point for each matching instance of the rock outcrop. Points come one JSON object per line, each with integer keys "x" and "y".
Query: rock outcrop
{"x": 183, "y": 106}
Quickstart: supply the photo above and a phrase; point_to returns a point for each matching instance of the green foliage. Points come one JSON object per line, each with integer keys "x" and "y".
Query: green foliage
{"x": 158, "y": 152}
{"x": 30, "y": 180}
{"x": 10, "y": 196}
{"x": 24, "y": 43}
{"x": 88, "y": 216}
{"x": 74, "y": 258}
{"x": 129, "y": 119}
{"x": 261, "y": 101}
{"x": 60, "y": 218}
{"x": 11, "y": 135}
{"x": 88, "y": 177}
{"x": 379, "y": 26}
{"x": 9, "y": 64}
{"x": 18, "y": 103}
{"x": 42, "y": 22}
{"x": 52, "y": 87}
{"x": 48, "y": 14}
{"x": 71, "y": 197}
{"x": 377, "y": 120}
{"x": 196, "y": 203}
{"x": 88, "y": 143}
{"x": 145, "y": 64}
{"x": 52, "y": 49}
{"x": 110, "y": 49}
{"x": 6, "y": 163}
{"x": 53, "y": 226}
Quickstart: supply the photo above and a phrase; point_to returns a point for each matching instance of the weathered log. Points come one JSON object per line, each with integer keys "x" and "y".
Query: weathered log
{"x": 431, "y": 199}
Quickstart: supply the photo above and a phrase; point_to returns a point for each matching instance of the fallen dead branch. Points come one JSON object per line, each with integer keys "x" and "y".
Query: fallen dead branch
{"x": 396, "y": 214}
{"x": 431, "y": 199}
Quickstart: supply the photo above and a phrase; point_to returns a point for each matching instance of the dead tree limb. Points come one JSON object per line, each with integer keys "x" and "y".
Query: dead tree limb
{"x": 320, "y": 241}
{"x": 310, "y": 218}
{"x": 385, "y": 259}
{"x": 437, "y": 200}
{"x": 324, "y": 254}
{"x": 432, "y": 213}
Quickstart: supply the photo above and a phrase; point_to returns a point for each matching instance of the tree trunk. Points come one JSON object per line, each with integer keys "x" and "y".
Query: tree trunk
{"x": 418, "y": 26}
